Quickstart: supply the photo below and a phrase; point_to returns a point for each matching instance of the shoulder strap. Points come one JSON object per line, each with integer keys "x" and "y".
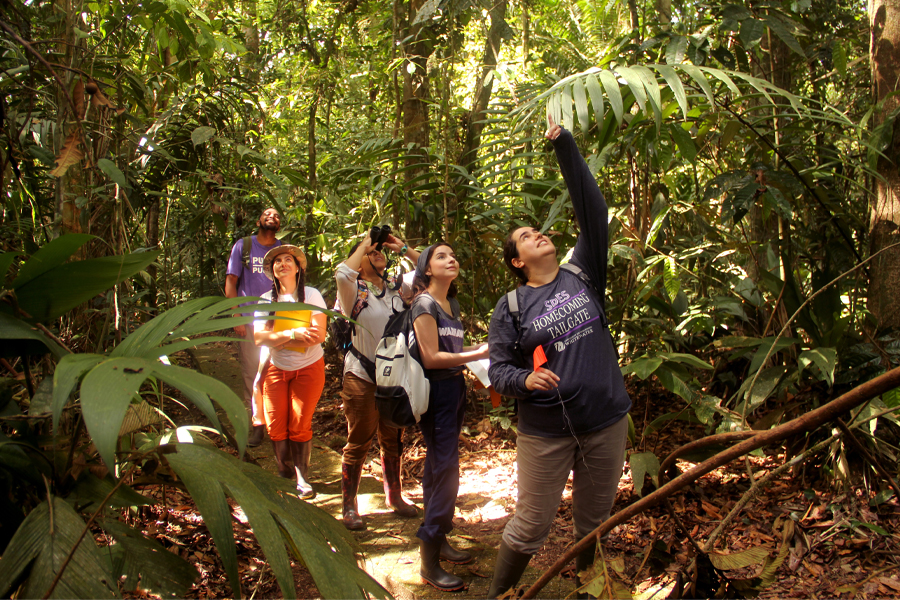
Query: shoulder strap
{"x": 512, "y": 301}
{"x": 247, "y": 243}
{"x": 576, "y": 270}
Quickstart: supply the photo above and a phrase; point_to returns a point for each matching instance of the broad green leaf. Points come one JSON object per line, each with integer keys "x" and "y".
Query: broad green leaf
{"x": 326, "y": 547}
{"x": 565, "y": 105}
{"x": 657, "y": 225}
{"x": 765, "y": 346}
{"x": 581, "y": 105}
{"x": 700, "y": 79}
{"x": 765, "y": 384}
{"x": 839, "y": 58}
{"x": 684, "y": 141}
{"x": 21, "y": 339}
{"x": 200, "y": 388}
{"x": 752, "y": 31}
{"x": 635, "y": 84}
{"x": 38, "y": 549}
{"x": 596, "y": 94}
{"x": 824, "y": 358}
{"x": 738, "y": 560}
{"x": 670, "y": 278}
{"x": 113, "y": 172}
{"x": 202, "y": 134}
{"x": 688, "y": 359}
{"x": 642, "y": 464}
{"x": 90, "y": 491}
{"x": 62, "y": 288}
{"x": 141, "y": 563}
{"x": 674, "y": 82}
{"x": 676, "y": 49}
{"x": 778, "y": 26}
{"x": 653, "y": 94}
{"x": 614, "y": 93}
{"x": 68, "y": 372}
{"x": 674, "y": 383}
{"x": 148, "y": 337}
{"x": 106, "y": 392}
{"x": 724, "y": 78}
{"x": 51, "y": 255}
{"x": 643, "y": 367}
{"x": 891, "y": 398}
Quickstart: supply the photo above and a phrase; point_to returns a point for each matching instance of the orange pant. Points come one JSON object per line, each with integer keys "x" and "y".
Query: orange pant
{"x": 290, "y": 398}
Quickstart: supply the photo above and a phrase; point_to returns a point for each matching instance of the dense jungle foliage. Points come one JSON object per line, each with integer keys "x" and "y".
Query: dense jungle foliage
{"x": 747, "y": 150}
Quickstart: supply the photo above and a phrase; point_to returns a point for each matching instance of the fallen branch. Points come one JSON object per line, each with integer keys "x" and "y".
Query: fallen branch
{"x": 710, "y": 440}
{"x": 804, "y": 424}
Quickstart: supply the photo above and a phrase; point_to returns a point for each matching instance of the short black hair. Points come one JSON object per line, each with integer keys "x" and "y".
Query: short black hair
{"x": 511, "y": 251}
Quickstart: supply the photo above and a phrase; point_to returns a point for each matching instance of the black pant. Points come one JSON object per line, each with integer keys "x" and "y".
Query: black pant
{"x": 440, "y": 426}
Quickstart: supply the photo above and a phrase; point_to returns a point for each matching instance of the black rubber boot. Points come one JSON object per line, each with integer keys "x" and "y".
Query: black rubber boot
{"x": 582, "y": 562}
{"x": 350, "y": 475}
{"x": 508, "y": 570}
{"x": 257, "y": 434}
{"x": 451, "y": 554}
{"x": 390, "y": 466}
{"x": 300, "y": 453}
{"x": 283, "y": 458}
{"x": 431, "y": 571}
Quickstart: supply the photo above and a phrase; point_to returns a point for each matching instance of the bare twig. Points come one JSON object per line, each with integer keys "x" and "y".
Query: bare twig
{"x": 759, "y": 485}
{"x": 804, "y": 424}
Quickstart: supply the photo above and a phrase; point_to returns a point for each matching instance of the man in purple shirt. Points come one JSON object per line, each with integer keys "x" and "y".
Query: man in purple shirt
{"x": 249, "y": 280}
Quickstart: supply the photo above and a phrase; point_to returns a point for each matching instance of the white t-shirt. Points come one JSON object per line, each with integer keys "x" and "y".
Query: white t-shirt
{"x": 287, "y": 359}
{"x": 373, "y": 317}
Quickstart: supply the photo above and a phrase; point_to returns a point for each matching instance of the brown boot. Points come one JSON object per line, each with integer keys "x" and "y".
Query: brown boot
{"x": 283, "y": 458}
{"x": 300, "y": 453}
{"x": 392, "y": 496}
{"x": 350, "y": 475}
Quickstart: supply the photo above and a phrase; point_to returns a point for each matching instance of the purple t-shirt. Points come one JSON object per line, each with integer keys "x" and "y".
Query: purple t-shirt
{"x": 252, "y": 281}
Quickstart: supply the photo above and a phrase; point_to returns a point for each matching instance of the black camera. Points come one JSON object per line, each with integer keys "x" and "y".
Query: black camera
{"x": 380, "y": 235}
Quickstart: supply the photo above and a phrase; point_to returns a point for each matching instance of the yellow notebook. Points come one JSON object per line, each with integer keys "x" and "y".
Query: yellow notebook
{"x": 294, "y": 318}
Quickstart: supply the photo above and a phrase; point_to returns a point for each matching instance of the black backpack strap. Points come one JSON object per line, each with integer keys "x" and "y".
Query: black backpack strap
{"x": 576, "y": 270}
{"x": 247, "y": 245}
{"x": 512, "y": 303}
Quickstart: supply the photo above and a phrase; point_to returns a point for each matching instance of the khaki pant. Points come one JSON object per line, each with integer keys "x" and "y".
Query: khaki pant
{"x": 363, "y": 421}
{"x": 543, "y": 465}
{"x": 248, "y": 356}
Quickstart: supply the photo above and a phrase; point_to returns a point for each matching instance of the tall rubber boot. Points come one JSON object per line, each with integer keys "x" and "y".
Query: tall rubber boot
{"x": 300, "y": 452}
{"x": 431, "y": 571}
{"x": 508, "y": 570}
{"x": 257, "y": 434}
{"x": 451, "y": 554}
{"x": 582, "y": 562}
{"x": 392, "y": 490}
{"x": 350, "y": 475}
{"x": 283, "y": 458}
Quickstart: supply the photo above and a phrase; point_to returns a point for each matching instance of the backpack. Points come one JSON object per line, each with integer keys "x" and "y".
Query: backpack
{"x": 342, "y": 330}
{"x": 402, "y": 390}
{"x": 246, "y": 246}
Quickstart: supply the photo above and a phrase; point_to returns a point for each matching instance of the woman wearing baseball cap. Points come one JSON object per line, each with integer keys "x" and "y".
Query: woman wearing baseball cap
{"x": 292, "y": 373}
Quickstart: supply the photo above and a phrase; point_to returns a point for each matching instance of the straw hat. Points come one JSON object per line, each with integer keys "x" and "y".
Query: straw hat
{"x": 278, "y": 250}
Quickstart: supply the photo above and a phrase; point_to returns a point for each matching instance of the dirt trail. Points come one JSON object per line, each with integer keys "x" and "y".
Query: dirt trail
{"x": 388, "y": 543}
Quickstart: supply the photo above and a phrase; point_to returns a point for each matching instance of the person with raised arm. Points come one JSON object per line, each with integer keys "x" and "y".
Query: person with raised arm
{"x": 550, "y": 347}
{"x": 370, "y": 300}
{"x": 439, "y": 334}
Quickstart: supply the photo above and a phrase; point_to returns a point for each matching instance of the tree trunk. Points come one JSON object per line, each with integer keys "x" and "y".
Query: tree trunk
{"x": 416, "y": 94}
{"x": 884, "y": 223}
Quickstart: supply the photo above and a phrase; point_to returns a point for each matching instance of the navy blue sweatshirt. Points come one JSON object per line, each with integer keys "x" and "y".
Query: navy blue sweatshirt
{"x": 565, "y": 317}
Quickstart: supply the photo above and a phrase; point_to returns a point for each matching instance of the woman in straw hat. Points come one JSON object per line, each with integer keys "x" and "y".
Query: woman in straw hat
{"x": 292, "y": 376}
